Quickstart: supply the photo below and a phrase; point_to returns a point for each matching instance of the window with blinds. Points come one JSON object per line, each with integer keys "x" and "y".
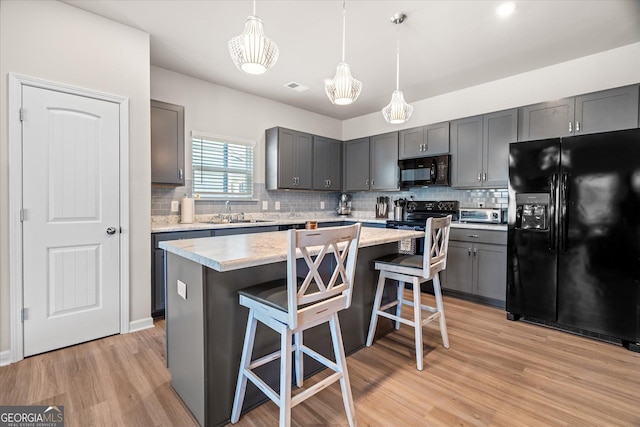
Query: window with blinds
{"x": 222, "y": 167}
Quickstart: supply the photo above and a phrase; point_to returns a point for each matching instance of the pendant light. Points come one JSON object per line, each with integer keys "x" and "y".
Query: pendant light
{"x": 343, "y": 89}
{"x": 398, "y": 111}
{"x": 252, "y": 51}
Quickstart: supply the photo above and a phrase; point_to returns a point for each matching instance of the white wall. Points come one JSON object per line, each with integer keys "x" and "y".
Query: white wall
{"x": 605, "y": 70}
{"x": 57, "y": 42}
{"x": 222, "y": 111}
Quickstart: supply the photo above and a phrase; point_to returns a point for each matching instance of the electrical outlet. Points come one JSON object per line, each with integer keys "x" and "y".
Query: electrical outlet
{"x": 265, "y": 205}
{"x": 481, "y": 204}
{"x": 277, "y": 206}
{"x": 182, "y": 289}
{"x": 322, "y": 205}
{"x": 175, "y": 206}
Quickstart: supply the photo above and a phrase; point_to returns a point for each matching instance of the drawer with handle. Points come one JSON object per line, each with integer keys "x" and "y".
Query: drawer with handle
{"x": 479, "y": 236}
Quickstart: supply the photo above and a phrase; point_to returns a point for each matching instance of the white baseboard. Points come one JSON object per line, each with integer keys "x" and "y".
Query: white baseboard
{"x": 139, "y": 325}
{"x": 5, "y": 358}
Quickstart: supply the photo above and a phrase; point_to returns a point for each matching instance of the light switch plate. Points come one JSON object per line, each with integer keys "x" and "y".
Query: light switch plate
{"x": 265, "y": 205}
{"x": 277, "y": 206}
{"x": 175, "y": 206}
{"x": 182, "y": 289}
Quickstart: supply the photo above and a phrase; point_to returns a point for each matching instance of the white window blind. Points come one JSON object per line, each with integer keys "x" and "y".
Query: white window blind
{"x": 222, "y": 166}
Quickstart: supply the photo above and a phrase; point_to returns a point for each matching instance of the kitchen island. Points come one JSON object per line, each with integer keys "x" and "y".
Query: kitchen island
{"x": 205, "y": 324}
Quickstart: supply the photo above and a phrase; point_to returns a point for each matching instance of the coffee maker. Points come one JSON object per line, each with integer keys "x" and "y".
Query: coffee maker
{"x": 344, "y": 205}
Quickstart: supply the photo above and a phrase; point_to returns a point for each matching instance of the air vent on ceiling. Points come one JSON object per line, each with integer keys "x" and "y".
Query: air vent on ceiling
{"x": 296, "y": 86}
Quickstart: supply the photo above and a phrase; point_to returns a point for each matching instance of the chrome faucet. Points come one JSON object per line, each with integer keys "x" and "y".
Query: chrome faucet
{"x": 226, "y": 217}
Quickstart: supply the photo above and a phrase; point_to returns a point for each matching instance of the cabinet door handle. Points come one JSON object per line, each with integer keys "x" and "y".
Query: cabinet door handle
{"x": 479, "y": 176}
{"x": 484, "y": 176}
{"x": 570, "y": 127}
{"x": 328, "y": 183}
{"x": 180, "y": 173}
{"x": 577, "y": 126}
{"x": 469, "y": 251}
{"x": 373, "y": 182}
{"x": 474, "y": 236}
{"x": 475, "y": 252}
{"x": 366, "y": 183}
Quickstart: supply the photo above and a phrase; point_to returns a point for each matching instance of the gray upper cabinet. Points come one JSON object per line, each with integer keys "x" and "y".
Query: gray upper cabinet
{"x": 499, "y": 130}
{"x": 603, "y": 111}
{"x": 289, "y": 159}
{"x": 480, "y": 149}
{"x": 356, "y": 165}
{"x": 546, "y": 120}
{"x": 424, "y": 141}
{"x": 327, "y": 164}
{"x": 384, "y": 173}
{"x": 466, "y": 152}
{"x": 167, "y": 143}
{"x": 608, "y": 110}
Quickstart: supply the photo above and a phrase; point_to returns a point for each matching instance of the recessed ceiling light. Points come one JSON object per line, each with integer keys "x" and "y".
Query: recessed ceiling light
{"x": 505, "y": 9}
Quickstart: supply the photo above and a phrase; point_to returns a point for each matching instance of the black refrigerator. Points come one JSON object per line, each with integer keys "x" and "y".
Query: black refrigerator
{"x": 574, "y": 233}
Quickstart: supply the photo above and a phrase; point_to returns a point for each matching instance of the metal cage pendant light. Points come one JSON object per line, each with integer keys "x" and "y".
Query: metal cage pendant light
{"x": 397, "y": 111}
{"x": 252, "y": 51}
{"x": 343, "y": 89}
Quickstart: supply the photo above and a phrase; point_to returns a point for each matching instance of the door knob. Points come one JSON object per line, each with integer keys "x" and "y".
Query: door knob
{"x": 111, "y": 230}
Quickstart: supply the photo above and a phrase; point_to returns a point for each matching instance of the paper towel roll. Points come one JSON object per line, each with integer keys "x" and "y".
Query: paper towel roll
{"x": 187, "y": 212}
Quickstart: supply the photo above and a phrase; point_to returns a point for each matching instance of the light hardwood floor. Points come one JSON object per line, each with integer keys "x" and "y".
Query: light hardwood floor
{"x": 496, "y": 373}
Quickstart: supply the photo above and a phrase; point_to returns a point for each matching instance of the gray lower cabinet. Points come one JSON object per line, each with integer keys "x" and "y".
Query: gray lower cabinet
{"x": 480, "y": 149}
{"x": 167, "y": 143}
{"x": 477, "y": 265}
{"x": 158, "y": 283}
{"x": 608, "y": 110}
{"x": 327, "y": 164}
{"x": 289, "y": 159}
{"x": 423, "y": 141}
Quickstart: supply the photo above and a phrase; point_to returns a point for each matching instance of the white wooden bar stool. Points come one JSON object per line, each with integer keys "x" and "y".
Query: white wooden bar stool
{"x": 292, "y": 305}
{"x": 415, "y": 269}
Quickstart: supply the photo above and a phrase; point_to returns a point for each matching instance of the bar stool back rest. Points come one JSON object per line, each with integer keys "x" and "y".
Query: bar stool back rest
{"x": 324, "y": 298}
{"x": 436, "y": 259}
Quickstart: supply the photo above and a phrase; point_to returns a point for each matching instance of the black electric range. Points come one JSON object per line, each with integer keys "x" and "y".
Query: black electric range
{"x": 416, "y": 213}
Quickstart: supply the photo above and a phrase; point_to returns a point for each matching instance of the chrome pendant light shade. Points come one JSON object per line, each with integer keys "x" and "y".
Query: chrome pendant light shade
{"x": 343, "y": 89}
{"x": 397, "y": 111}
{"x": 252, "y": 51}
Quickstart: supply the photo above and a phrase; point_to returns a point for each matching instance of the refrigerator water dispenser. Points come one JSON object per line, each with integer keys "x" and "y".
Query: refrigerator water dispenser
{"x": 532, "y": 211}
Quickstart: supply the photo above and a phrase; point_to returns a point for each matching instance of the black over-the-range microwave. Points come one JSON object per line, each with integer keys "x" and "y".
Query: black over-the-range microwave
{"x": 425, "y": 171}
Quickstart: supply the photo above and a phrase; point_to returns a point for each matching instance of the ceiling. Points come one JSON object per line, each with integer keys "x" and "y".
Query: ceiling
{"x": 444, "y": 45}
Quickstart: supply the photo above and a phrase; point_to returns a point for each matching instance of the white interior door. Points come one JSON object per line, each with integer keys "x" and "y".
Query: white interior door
{"x": 71, "y": 262}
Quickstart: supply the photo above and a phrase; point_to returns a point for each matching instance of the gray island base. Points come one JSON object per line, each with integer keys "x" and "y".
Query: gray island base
{"x": 205, "y": 324}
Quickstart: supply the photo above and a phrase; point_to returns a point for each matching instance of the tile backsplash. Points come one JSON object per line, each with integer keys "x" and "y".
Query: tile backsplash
{"x": 308, "y": 201}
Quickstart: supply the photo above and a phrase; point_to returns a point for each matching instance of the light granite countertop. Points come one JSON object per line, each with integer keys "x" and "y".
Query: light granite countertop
{"x": 227, "y": 253}
{"x": 161, "y": 227}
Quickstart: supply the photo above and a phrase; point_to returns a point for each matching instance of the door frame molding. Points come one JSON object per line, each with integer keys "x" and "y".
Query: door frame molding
{"x": 16, "y": 82}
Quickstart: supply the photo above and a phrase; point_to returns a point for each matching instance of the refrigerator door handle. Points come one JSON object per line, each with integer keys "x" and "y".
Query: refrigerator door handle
{"x": 563, "y": 212}
{"x": 553, "y": 184}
